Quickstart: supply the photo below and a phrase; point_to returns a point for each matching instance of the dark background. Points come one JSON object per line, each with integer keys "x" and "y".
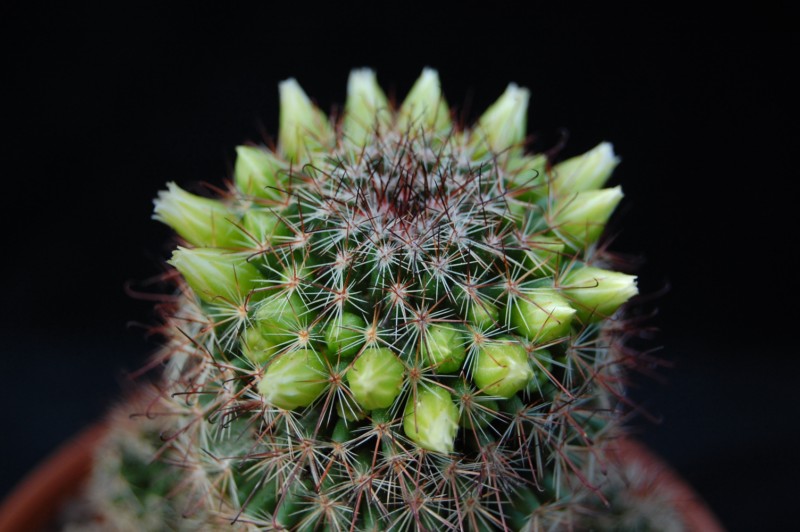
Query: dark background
{"x": 105, "y": 107}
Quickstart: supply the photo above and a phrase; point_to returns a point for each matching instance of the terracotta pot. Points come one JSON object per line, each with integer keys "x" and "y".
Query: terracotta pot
{"x": 660, "y": 476}
{"x": 37, "y": 499}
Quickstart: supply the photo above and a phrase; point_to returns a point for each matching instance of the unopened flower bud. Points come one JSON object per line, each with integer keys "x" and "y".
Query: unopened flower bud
{"x": 445, "y": 349}
{"x": 278, "y": 317}
{"x": 376, "y": 378}
{"x": 344, "y": 338}
{"x": 302, "y": 126}
{"x": 503, "y": 124}
{"x": 589, "y": 171}
{"x": 214, "y": 273}
{"x": 482, "y": 314}
{"x": 263, "y": 226}
{"x": 424, "y": 107}
{"x": 502, "y": 368}
{"x": 367, "y": 109}
{"x": 544, "y": 255}
{"x": 527, "y": 177}
{"x": 542, "y": 316}
{"x": 259, "y": 172}
{"x": 598, "y": 293}
{"x": 431, "y": 419}
{"x": 202, "y": 222}
{"x": 580, "y": 218}
{"x": 256, "y": 347}
{"x": 293, "y": 380}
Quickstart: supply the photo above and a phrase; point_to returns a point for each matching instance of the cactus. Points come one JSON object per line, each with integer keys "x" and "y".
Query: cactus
{"x": 392, "y": 321}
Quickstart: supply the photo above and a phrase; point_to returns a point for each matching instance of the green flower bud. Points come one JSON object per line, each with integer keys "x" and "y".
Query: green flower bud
{"x": 278, "y": 317}
{"x": 581, "y": 218}
{"x": 502, "y": 368}
{"x": 376, "y": 378}
{"x": 258, "y": 172}
{"x": 431, "y": 419}
{"x": 202, "y": 222}
{"x": 293, "y": 380}
{"x": 445, "y": 347}
{"x": 589, "y": 171}
{"x": 503, "y": 124}
{"x": 598, "y": 293}
{"x": 528, "y": 177}
{"x": 367, "y": 108}
{"x": 425, "y": 106}
{"x": 214, "y": 273}
{"x": 542, "y": 316}
{"x": 256, "y": 347}
{"x": 482, "y": 314}
{"x": 302, "y": 126}
{"x": 345, "y": 338}
{"x": 263, "y": 226}
{"x": 544, "y": 255}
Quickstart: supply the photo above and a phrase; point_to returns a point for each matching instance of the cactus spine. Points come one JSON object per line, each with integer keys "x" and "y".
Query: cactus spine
{"x": 393, "y": 321}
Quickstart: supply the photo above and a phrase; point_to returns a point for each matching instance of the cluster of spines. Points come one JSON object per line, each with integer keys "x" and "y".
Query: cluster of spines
{"x": 400, "y": 313}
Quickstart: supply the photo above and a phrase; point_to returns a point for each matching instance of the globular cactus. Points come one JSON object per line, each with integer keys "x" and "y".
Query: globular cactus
{"x": 392, "y": 321}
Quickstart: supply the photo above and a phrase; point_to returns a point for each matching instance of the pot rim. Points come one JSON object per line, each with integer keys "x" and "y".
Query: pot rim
{"x": 37, "y": 498}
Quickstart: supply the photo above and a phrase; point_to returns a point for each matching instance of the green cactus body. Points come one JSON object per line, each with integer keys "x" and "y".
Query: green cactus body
{"x": 360, "y": 333}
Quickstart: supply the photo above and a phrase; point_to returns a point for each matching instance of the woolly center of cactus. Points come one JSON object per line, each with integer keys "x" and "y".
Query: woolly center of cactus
{"x": 409, "y": 203}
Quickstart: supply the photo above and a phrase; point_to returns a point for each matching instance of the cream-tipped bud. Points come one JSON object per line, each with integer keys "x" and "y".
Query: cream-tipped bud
{"x": 293, "y": 380}
{"x": 580, "y": 218}
{"x": 202, "y": 222}
{"x": 258, "y": 172}
{"x": 376, "y": 378}
{"x": 502, "y": 368}
{"x": 589, "y": 171}
{"x": 214, "y": 273}
{"x": 431, "y": 419}
{"x": 302, "y": 126}
{"x": 597, "y": 293}
{"x": 425, "y": 106}
{"x": 367, "y": 108}
{"x": 503, "y": 124}
{"x": 542, "y": 316}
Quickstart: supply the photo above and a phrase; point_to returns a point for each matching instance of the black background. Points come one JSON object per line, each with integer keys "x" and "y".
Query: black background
{"x": 105, "y": 107}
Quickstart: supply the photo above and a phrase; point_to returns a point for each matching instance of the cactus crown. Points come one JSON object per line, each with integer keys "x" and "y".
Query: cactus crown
{"x": 393, "y": 321}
